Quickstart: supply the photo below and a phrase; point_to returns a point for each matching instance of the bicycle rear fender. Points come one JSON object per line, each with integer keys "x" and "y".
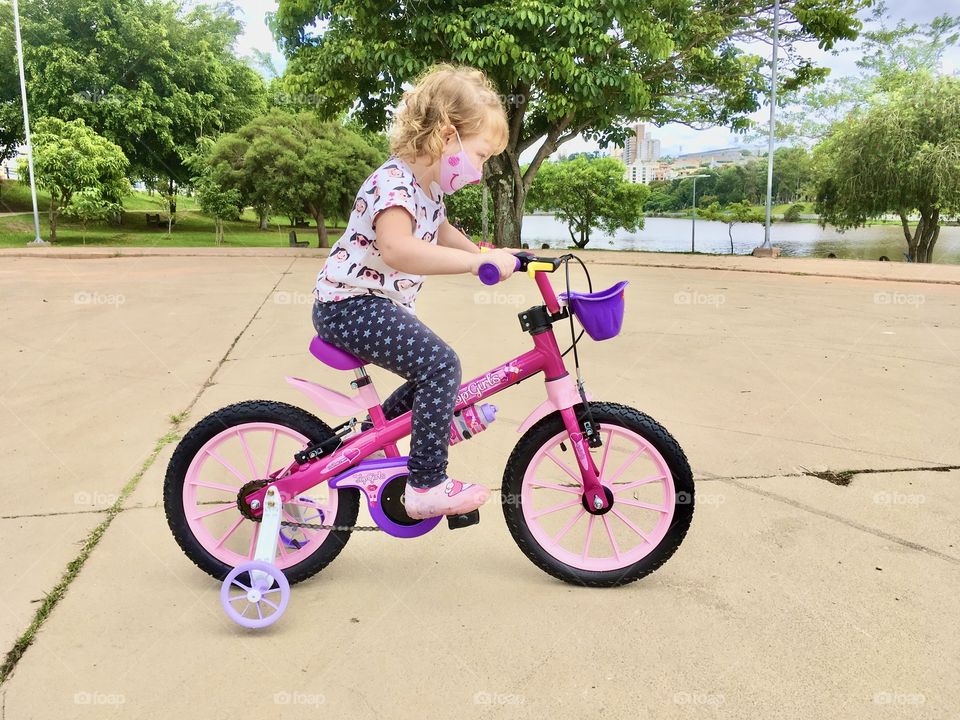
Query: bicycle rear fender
{"x": 561, "y": 393}
{"x": 336, "y": 403}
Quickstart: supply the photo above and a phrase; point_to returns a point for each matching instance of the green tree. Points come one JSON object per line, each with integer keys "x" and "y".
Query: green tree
{"x": 89, "y": 205}
{"x": 886, "y": 58}
{"x": 565, "y": 67}
{"x": 466, "y": 208}
{"x": 589, "y": 194}
{"x": 69, "y": 157}
{"x": 295, "y": 164}
{"x": 742, "y": 212}
{"x": 899, "y": 155}
{"x": 216, "y": 201}
{"x": 11, "y": 113}
{"x": 149, "y": 75}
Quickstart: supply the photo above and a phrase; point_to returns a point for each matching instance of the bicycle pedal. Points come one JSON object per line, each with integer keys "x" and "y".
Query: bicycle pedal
{"x": 463, "y": 520}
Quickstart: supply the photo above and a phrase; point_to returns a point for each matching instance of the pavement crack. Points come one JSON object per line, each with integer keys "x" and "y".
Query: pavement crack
{"x": 844, "y": 477}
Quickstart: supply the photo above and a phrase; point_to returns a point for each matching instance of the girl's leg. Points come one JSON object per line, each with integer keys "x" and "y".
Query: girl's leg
{"x": 381, "y": 332}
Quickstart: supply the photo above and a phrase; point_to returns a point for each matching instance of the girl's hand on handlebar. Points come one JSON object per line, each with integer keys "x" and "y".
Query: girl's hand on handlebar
{"x": 506, "y": 262}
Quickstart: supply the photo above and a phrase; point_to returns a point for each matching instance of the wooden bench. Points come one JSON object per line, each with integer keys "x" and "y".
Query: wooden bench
{"x": 297, "y": 243}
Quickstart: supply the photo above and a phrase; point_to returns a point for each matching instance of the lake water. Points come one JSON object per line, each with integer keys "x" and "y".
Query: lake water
{"x": 795, "y": 239}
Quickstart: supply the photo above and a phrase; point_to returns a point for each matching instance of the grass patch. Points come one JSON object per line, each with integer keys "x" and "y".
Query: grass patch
{"x": 51, "y": 599}
{"x": 192, "y": 230}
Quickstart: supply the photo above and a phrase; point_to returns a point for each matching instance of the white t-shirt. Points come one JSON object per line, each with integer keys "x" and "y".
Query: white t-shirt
{"x": 355, "y": 266}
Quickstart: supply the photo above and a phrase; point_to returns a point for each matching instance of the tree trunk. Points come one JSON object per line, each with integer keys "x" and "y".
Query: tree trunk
{"x": 507, "y": 220}
{"x": 730, "y": 233}
{"x": 53, "y": 219}
{"x": 264, "y": 218}
{"x": 322, "y": 240}
{"x": 931, "y": 230}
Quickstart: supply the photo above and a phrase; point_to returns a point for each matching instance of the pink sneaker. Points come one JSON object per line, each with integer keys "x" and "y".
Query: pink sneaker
{"x": 450, "y": 497}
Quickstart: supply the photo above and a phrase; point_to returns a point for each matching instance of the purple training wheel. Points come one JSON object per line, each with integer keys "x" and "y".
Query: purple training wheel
{"x": 268, "y": 598}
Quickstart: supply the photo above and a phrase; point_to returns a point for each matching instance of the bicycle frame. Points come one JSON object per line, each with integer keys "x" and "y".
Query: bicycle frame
{"x": 562, "y": 395}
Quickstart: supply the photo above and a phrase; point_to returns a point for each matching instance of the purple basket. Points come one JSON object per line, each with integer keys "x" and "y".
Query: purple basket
{"x": 600, "y": 313}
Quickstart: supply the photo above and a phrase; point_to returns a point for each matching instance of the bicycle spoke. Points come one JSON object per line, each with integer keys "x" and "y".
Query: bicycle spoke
{"x": 246, "y": 451}
{"x": 240, "y": 585}
{"x": 628, "y": 463}
{"x": 229, "y": 532}
{"x": 216, "y": 486}
{"x": 630, "y": 525}
{"x": 555, "y": 509}
{"x": 563, "y": 467}
{"x": 259, "y": 611}
{"x": 275, "y": 607}
{"x": 220, "y": 509}
{"x": 645, "y": 505}
{"x": 566, "y": 529}
{"x": 606, "y": 450}
{"x": 553, "y": 486}
{"x": 586, "y": 544}
{"x": 227, "y": 465}
{"x": 638, "y": 483}
{"x": 613, "y": 543}
{"x": 273, "y": 447}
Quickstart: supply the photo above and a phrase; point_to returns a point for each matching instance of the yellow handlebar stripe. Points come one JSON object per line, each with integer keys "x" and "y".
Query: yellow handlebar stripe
{"x": 536, "y": 265}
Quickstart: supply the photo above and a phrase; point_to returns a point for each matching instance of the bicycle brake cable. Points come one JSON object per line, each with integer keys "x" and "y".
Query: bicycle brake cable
{"x": 593, "y": 437}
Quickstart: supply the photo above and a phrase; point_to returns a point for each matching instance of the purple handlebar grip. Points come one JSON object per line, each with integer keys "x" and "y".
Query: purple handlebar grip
{"x": 489, "y": 274}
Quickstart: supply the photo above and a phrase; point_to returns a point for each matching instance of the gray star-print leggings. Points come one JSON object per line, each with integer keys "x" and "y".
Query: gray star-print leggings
{"x": 379, "y": 331}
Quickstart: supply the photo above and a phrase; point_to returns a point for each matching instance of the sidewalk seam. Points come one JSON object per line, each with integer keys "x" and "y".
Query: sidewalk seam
{"x": 849, "y": 523}
{"x": 52, "y": 598}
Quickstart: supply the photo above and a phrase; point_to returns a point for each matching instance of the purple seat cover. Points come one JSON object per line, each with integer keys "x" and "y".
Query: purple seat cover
{"x": 334, "y": 356}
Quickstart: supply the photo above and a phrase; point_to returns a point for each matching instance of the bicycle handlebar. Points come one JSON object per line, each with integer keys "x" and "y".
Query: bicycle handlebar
{"x": 489, "y": 273}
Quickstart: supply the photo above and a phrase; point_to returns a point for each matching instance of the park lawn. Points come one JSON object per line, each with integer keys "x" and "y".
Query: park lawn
{"x": 15, "y": 197}
{"x": 192, "y": 230}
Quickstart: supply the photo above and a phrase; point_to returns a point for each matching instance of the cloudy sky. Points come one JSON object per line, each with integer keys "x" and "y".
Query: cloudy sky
{"x": 674, "y": 138}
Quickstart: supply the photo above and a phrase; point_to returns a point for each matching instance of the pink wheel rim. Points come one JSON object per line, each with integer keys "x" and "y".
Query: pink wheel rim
{"x": 217, "y": 472}
{"x": 643, "y": 509}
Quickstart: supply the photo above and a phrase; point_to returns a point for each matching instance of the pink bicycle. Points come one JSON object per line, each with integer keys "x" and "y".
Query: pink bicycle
{"x": 263, "y": 494}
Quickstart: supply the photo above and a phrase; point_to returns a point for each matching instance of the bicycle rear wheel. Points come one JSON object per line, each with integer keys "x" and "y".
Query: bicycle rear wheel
{"x": 253, "y": 440}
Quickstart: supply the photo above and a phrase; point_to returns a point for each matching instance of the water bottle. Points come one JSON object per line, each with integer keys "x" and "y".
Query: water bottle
{"x": 471, "y": 420}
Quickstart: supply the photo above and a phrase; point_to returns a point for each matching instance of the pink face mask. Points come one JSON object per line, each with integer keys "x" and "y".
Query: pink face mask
{"x": 457, "y": 170}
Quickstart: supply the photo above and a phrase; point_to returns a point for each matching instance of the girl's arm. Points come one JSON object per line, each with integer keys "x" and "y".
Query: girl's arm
{"x": 449, "y": 236}
{"x": 403, "y": 252}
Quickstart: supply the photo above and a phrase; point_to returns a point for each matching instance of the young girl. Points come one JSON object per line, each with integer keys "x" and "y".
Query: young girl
{"x": 444, "y": 131}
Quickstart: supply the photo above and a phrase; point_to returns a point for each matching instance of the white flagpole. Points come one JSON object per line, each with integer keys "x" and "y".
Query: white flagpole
{"x": 26, "y": 127}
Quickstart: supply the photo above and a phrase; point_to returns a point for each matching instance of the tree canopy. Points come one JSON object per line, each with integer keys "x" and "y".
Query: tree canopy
{"x": 900, "y": 155}
{"x": 588, "y": 194}
{"x": 69, "y": 157}
{"x": 564, "y": 67}
{"x": 149, "y": 75}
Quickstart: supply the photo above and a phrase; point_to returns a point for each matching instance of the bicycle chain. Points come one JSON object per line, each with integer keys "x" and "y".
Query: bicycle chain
{"x": 336, "y": 528}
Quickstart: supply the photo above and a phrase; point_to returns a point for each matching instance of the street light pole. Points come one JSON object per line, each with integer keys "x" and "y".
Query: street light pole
{"x": 693, "y": 226}
{"x": 773, "y": 121}
{"x": 26, "y": 126}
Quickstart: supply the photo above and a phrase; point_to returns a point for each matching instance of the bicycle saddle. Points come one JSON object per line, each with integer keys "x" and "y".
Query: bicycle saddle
{"x": 334, "y": 356}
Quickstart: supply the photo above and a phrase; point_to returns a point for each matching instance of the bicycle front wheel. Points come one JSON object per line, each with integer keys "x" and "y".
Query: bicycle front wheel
{"x": 643, "y": 468}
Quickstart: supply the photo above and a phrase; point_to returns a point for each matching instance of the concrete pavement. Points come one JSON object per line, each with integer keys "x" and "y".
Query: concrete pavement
{"x": 792, "y": 596}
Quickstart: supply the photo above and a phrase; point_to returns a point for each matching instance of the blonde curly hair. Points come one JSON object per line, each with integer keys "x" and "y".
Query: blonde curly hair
{"x": 445, "y": 95}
